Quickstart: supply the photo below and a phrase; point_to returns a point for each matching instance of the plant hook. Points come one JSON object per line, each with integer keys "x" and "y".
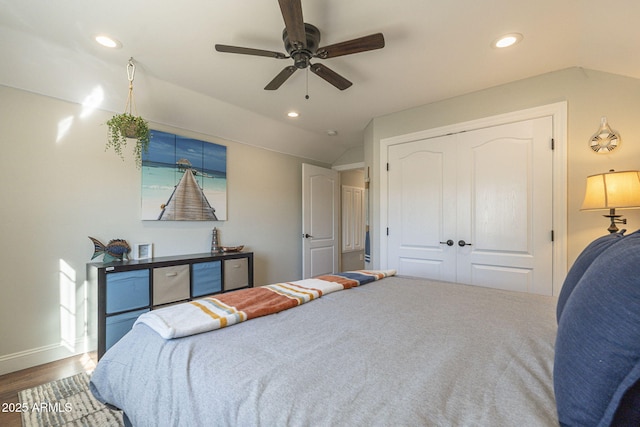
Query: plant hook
{"x": 131, "y": 69}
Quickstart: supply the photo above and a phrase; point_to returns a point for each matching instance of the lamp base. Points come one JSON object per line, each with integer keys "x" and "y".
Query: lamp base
{"x": 613, "y": 228}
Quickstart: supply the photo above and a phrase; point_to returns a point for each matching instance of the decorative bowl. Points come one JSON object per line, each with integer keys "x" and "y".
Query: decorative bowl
{"x": 232, "y": 248}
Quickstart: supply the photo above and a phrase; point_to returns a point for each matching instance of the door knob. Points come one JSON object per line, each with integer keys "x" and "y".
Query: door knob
{"x": 462, "y": 243}
{"x": 448, "y": 242}
{"x": 307, "y": 236}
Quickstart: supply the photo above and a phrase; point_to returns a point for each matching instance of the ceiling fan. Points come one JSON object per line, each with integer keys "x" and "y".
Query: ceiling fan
{"x": 301, "y": 41}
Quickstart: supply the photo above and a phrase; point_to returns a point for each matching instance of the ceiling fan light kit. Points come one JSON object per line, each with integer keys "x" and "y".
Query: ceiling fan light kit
{"x": 302, "y": 43}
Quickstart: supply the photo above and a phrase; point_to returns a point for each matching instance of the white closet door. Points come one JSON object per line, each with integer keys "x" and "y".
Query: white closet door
{"x": 489, "y": 190}
{"x": 352, "y": 218}
{"x": 422, "y": 208}
{"x": 505, "y": 189}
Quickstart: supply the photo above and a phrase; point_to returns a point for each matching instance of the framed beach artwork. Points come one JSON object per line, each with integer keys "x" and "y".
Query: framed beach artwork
{"x": 183, "y": 179}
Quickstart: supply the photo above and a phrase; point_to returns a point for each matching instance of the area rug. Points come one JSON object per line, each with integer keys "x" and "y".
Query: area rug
{"x": 65, "y": 402}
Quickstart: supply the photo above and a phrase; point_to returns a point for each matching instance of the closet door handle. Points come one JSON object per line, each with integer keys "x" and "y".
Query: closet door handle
{"x": 462, "y": 243}
{"x": 448, "y": 243}
{"x": 307, "y": 236}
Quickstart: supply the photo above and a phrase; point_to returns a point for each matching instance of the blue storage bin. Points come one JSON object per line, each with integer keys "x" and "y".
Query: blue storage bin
{"x": 127, "y": 290}
{"x": 206, "y": 278}
{"x": 119, "y": 325}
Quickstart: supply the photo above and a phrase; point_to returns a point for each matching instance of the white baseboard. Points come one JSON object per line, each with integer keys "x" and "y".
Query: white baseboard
{"x": 41, "y": 355}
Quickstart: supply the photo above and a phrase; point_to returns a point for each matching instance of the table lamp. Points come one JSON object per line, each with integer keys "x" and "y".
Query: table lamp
{"x": 613, "y": 190}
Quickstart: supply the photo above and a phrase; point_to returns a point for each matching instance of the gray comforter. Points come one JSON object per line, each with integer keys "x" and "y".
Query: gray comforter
{"x": 393, "y": 352}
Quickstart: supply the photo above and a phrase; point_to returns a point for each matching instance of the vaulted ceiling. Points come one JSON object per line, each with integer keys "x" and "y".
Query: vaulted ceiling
{"x": 434, "y": 50}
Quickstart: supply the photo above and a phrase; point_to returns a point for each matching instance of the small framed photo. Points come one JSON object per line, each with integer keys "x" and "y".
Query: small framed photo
{"x": 143, "y": 251}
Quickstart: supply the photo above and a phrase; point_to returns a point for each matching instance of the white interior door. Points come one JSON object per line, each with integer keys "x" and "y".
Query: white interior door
{"x": 320, "y": 208}
{"x": 475, "y": 207}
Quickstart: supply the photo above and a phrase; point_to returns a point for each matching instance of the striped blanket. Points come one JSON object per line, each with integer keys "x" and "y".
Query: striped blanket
{"x": 229, "y": 308}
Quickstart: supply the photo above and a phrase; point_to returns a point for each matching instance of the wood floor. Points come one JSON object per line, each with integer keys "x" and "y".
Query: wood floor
{"x": 11, "y": 384}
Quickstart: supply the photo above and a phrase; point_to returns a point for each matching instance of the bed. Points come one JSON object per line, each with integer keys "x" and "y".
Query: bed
{"x": 396, "y": 351}
{"x": 390, "y": 350}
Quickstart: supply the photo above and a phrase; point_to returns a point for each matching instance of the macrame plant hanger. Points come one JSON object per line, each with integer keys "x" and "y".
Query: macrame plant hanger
{"x": 129, "y": 124}
{"x": 130, "y": 106}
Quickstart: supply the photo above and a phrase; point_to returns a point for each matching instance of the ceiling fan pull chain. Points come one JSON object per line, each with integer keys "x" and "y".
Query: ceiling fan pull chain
{"x": 307, "y": 95}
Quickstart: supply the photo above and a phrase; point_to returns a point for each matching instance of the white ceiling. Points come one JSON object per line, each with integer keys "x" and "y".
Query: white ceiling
{"x": 434, "y": 50}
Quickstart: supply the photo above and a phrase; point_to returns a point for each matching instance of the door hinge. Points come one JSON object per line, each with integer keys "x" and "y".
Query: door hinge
{"x": 387, "y": 167}
{"x": 387, "y": 231}
{"x": 552, "y": 236}
{"x": 553, "y": 144}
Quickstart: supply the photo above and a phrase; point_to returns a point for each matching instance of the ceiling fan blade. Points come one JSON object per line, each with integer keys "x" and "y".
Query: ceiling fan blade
{"x": 362, "y": 44}
{"x": 331, "y": 76}
{"x": 249, "y": 51}
{"x": 294, "y": 23}
{"x": 281, "y": 78}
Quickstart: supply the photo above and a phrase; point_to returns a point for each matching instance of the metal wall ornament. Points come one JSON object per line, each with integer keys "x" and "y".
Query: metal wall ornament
{"x": 605, "y": 140}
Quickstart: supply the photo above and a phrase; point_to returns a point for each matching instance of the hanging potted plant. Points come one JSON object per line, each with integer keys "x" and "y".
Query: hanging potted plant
{"x": 128, "y": 125}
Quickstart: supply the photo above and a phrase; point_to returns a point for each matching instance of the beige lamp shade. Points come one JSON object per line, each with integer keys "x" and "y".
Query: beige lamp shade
{"x": 612, "y": 190}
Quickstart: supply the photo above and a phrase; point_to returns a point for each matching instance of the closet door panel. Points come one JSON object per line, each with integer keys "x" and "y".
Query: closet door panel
{"x": 352, "y": 218}
{"x": 501, "y": 194}
{"x": 504, "y": 206}
{"x": 422, "y": 208}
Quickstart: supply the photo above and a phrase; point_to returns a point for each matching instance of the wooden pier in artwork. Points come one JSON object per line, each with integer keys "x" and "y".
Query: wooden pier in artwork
{"x": 188, "y": 202}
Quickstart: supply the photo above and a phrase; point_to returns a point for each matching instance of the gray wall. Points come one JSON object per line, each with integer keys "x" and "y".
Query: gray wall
{"x": 58, "y": 187}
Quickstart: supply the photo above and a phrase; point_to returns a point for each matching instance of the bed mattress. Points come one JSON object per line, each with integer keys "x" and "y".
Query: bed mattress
{"x": 398, "y": 351}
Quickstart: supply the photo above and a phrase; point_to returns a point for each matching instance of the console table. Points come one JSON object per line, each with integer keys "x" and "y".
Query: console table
{"x": 126, "y": 289}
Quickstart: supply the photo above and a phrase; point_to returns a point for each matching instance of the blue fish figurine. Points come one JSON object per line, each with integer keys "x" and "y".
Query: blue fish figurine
{"x": 116, "y": 249}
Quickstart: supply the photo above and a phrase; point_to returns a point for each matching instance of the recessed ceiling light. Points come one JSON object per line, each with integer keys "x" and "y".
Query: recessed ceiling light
{"x": 292, "y": 114}
{"x": 507, "y": 40}
{"x": 107, "y": 41}
{"x": 332, "y": 132}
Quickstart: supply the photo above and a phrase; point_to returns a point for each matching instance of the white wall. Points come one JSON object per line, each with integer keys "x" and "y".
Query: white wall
{"x": 58, "y": 187}
{"x": 589, "y": 94}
